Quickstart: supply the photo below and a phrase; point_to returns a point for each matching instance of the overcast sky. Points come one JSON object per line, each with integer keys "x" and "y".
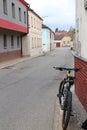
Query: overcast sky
{"x": 56, "y": 13}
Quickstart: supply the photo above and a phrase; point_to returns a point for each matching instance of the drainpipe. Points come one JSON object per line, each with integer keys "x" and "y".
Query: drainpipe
{"x": 21, "y": 46}
{"x": 28, "y": 6}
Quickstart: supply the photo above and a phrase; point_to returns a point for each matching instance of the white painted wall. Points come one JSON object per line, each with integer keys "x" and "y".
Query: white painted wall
{"x": 46, "y": 39}
{"x": 81, "y": 29}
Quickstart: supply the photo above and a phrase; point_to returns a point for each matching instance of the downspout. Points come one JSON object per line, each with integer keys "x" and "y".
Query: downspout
{"x": 27, "y": 22}
{"x": 26, "y": 33}
{"x": 21, "y": 46}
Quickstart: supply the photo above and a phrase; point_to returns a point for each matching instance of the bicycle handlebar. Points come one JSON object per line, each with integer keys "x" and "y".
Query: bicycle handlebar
{"x": 68, "y": 69}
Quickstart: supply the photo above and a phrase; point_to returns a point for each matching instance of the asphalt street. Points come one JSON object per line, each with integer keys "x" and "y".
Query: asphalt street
{"x": 28, "y": 92}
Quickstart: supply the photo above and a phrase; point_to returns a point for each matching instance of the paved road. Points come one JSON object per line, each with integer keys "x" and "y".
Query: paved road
{"x": 28, "y": 92}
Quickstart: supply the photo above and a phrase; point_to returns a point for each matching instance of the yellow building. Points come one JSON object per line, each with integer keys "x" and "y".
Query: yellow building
{"x": 66, "y": 41}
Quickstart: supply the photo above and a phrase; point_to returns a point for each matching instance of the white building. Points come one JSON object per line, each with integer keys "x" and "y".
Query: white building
{"x": 81, "y": 28}
{"x": 80, "y": 54}
{"x": 47, "y": 39}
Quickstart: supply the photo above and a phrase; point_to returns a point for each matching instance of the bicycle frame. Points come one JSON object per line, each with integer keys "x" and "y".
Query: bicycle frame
{"x": 69, "y": 80}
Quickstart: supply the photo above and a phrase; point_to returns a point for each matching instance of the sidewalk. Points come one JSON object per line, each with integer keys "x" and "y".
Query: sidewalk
{"x": 80, "y": 115}
{"x": 13, "y": 62}
{"x": 79, "y": 112}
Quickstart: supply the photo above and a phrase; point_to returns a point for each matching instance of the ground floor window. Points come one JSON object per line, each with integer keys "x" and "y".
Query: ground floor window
{"x": 18, "y": 41}
{"x": 4, "y": 41}
{"x": 36, "y": 42}
{"x": 12, "y": 41}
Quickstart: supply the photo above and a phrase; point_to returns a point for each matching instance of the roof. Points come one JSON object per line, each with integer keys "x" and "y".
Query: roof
{"x": 60, "y": 35}
{"x": 35, "y": 13}
{"x": 45, "y": 26}
{"x": 24, "y": 3}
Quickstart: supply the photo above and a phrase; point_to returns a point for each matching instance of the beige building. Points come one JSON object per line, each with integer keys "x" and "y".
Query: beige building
{"x": 66, "y": 41}
{"x": 33, "y": 40}
{"x": 35, "y": 34}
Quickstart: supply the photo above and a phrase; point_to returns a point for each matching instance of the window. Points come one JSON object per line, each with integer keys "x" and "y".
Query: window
{"x": 31, "y": 21}
{"x": 34, "y": 23}
{"x": 24, "y": 17}
{"x": 4, "y": 41}
{"x": 32, "y": 42}
{"x": 13, "y": 10}
{"x": 19, "y": 14}
{"x": 5, "y": 6}
{"x": 17, "y": 41}
{"x": 12, "y": 41}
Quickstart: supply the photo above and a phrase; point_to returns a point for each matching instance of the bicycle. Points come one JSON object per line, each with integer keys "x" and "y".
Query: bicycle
{"x": 65, "y": 94}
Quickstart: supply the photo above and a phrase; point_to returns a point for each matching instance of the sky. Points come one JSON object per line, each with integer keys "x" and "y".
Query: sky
{"x": 56, "y": 13}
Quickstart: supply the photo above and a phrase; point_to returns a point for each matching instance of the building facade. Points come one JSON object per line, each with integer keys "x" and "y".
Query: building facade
{"x": 64, "y": 38}
{"x": 13, "y": 26}
{"x": 47, "y": 39}
{"x": 66, "y": 41}
{"x": 81, "y": 31}
{"x": 34, "y": 37}
{"x": 80, "y": 47}
{"x": 52, "y": 43}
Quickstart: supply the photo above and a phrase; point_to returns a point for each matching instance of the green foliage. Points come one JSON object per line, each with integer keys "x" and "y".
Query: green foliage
{"x": 72, "y": 30}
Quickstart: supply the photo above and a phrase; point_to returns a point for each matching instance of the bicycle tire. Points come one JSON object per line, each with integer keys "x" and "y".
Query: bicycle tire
{"x": 60, "y": 93}
{"x": 67, "y": 111}
{"x": 61, "y": 88}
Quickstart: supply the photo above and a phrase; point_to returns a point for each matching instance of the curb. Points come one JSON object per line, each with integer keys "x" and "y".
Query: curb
{"x": 16, "y": 61}
{"x": 13, "y": 62}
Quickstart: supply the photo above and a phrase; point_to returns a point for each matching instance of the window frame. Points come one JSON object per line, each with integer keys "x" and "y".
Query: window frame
{"x": 20, "y": 16}
{"x": 13, "y": 10}
{"x": 12, "y": 41}
{"x": 5, "y": 41}
{"x": 5, "y": 7}
{"x": 25, "y": 21}
{"x": 18, "y": 41}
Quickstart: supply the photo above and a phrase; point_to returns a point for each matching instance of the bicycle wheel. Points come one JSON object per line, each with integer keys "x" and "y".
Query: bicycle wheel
{"x": 60, "y": 93}
{"x": 61, "y": 89}
{"x": 67, "y": 111}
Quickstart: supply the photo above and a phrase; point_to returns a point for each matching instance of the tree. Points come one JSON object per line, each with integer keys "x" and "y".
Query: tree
{"x": 72, "y": 29}
{"x": 56, "y": 30}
